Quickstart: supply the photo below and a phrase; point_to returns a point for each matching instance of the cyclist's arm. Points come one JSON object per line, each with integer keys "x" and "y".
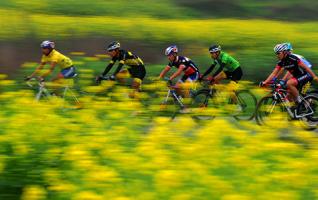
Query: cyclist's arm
{"x": 119, "y": 67}
{"x": 305, "y": 67}
{"x": 38, "y": 69}
{"x": 280, "y": 72}
{"x": 178, "y": 72}
{"x": 208, "y": 71}
{"x": 164, "y": 71}
{"x": 272, "y": 75}
{"x": 219, "y": 69}
{"x": 53, "y": 64}
{"x": 108, "y": 68}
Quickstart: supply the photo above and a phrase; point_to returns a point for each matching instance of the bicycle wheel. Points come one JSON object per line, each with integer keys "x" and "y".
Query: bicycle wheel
{"x": 308, "y": 108}
{"x": 267, "y": 110}
{"x": 202, "y": 105}
{"x": 246, "y": 105}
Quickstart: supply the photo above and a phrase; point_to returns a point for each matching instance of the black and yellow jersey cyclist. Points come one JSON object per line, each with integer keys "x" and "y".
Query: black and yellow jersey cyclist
{"x": 54, "y": 58}
{"x": 136, "y": 66}
{"x": 229, "y": 67}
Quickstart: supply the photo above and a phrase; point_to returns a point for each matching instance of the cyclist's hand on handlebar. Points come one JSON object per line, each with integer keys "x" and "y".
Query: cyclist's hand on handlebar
{"x": 98, "y": 79}
{"x": 261, "y": 84}
{"x": 27, "y": 78}
{"x": 112, "y": 77}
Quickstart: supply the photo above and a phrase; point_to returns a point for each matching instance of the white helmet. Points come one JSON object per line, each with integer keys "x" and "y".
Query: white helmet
{"x": 171, "y": 49}
{"x": 47, "y": 44}
{"x": 281, "y": 47}
{"x": 112, "y": 46}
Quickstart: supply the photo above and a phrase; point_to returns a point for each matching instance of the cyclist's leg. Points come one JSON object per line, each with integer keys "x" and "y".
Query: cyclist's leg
{"x": 122, "y": 75}
{"x": 234, "y": 77}
{"x": 222, "y": 75}
{"x": 138, "y": 74}
{"x": 292, "y": 88}
{"x": 304, "y": 83}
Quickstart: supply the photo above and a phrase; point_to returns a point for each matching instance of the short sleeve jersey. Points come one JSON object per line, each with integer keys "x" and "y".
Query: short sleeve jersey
{"x": 230, "y": 64}
{"x": 127, "y": 58}
{"x": 291, "y": 64}
{"x": 190, "y": 67}
{"x": 55, "y": 56}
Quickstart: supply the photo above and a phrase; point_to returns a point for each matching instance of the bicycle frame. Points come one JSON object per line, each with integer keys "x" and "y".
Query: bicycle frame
{"x": 172, "y": 92}
{"x": 279, "y": 95}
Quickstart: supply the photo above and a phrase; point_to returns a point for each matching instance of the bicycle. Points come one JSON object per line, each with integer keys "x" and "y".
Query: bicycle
{"x": 173, "y": 103}
{"x": 276, "y": 102}
{"x": 241, "y": 103}
{"x": 70, "y": 100}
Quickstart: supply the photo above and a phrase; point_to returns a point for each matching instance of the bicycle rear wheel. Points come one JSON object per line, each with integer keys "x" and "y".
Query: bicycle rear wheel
{"x": 246, "y": 105}
{"x": 309, "y": 105}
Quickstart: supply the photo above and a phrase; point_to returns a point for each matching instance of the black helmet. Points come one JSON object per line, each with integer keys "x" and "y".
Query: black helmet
{"x": 214, "y": 48}
{"x": 112, "y": 46}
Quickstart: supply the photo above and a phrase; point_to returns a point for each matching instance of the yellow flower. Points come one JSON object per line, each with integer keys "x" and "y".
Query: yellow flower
{"x": 87, "y": 195}
{"x": 33, "y": 192}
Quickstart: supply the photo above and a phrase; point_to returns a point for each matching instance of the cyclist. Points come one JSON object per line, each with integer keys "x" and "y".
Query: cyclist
{"x": 183, "y": 64}
{"x": 304, "y": 60}
{"x": 54, "y": 58}
{"x": 300, "y": 72}
{"x": 229, "y": 68}
{"x": 136, "y": 66}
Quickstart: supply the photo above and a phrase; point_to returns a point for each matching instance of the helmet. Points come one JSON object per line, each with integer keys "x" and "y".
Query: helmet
{"x": 290, "y": 48}
{"x": 112, "y": 46}
{"x": 171, "y": 49}
{"x": 214, "y": 48}
{"x": 47, "y": 44}
{"x": 282, "y": 47}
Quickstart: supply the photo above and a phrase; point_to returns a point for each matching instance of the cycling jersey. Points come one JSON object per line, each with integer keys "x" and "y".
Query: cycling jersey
{"x": 190, "y": 67}
{"x": 134, "y": 62}
{"x": 62, "y": 61}
{"x": 226, "y": 63}
{"x": 291, "y": 63}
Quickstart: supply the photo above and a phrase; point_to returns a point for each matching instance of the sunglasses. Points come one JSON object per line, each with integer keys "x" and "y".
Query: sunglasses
{"x": 277, "y": 53}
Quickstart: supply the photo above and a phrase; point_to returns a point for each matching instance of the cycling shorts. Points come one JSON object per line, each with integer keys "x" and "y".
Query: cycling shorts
{"x": 69, "y": 72}
{"x": 236, "y": 75}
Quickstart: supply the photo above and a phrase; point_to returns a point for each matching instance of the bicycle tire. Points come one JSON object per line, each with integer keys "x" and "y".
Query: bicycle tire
{"x": 247, "y": 105}
{"x": 202, "y": 100}
{"x": 309, "y": 122}
{"x": 265, "y": 107}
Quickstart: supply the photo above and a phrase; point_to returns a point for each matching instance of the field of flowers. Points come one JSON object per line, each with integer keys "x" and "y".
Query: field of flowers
{"x": 118, "y": 148}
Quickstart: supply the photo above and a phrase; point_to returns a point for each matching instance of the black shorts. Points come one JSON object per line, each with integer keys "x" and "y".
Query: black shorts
{"x": 302, "y": 80}
{"x": 137, "y": 72}
{"x": 236, "y": 75}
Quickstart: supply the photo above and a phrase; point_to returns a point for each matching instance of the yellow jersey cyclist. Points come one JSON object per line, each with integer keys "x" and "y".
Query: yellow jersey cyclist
{"x": 229, "y": 67}
{"x": 54, "y": 58}
{"x": 298, "y": 69}
{"x": 183, "y": 64}
{"x": 136, "y": 66}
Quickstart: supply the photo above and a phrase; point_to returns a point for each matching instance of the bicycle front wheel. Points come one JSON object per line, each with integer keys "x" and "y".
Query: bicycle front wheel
{"x": 246, "y": 105}
{"x": 202, "y": 105}
{"x": 267, "y": 110}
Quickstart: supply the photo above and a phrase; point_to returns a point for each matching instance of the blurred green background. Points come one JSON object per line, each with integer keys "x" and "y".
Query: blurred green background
{"x": 246, "y": 29}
